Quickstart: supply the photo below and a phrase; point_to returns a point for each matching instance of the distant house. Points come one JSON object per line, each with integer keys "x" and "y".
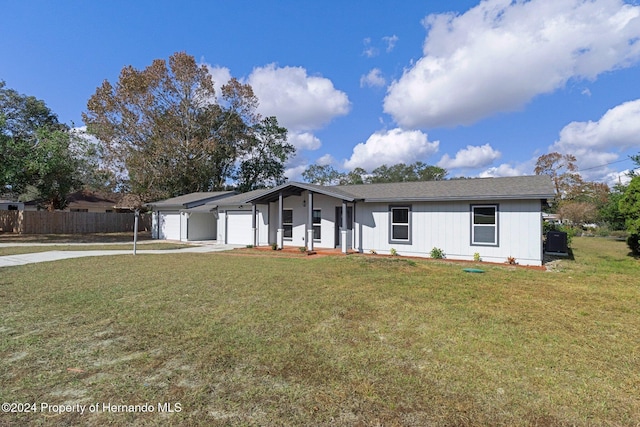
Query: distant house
{"x": 185, "y": 218}
{"x": 494, "y": 217}
{"x": 10, "y": 205}
{"x": 83, "y": 201}
{"x": 87, "y": 201}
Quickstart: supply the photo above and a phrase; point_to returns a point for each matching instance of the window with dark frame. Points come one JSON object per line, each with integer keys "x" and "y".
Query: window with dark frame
{"x": 484, "y": 225}
{"x": 317, "y": 228}
{"x": 287, "y": 223}
{"x": 400, "y": 223}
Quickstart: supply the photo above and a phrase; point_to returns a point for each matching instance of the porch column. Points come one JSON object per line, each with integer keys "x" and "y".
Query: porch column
{"x": 280, "y": 232}
{"x": 343, "y": 233}
{"x": 254, "y": 229}
{"x": 310, "y": 223}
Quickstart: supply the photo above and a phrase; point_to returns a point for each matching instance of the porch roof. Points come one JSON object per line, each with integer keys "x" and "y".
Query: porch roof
{"x": 296, "y": 188}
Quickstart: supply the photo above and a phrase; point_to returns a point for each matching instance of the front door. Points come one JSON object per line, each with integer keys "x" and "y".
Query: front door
{"x": 338, "y": 223}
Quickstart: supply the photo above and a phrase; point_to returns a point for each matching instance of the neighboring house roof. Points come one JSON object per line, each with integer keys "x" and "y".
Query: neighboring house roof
{"x": 521, "y": 187}
{"x": 190, "y": 200}
{"x": 84, "y": 199}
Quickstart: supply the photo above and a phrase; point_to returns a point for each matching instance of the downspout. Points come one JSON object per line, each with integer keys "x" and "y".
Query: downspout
{"x": 253, "y": 224}
{"x": 344, "y": 227}
{"x": 310, "y": 223}
{"x": 280, "y": 233}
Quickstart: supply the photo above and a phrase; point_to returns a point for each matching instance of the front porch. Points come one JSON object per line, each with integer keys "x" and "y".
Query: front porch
{"x": 306, "y": 216}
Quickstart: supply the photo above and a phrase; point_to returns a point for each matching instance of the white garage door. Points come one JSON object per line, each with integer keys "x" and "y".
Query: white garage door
{"x": 239, "y": 230}
{"x": 170, "y": 226}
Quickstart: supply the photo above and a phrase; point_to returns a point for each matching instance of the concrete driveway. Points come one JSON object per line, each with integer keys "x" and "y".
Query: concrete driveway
{"x": 11, "y": 260}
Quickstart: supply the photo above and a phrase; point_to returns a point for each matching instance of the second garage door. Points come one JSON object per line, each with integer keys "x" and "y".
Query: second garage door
{"x": 239, "y": 230}
{"x": 170, "y": 226}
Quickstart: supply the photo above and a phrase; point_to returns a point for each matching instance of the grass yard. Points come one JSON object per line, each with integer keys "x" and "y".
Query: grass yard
{"x": 245, "y": 338}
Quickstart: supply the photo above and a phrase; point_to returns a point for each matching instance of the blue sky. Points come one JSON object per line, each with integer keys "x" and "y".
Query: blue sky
{"x": 479, "y": 88}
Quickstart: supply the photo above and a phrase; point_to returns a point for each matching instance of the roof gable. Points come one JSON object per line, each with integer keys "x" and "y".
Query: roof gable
{"x": 191, "y": 199}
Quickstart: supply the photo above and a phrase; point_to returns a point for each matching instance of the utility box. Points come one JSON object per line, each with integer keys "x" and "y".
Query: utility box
{"x": 557, "y": 242}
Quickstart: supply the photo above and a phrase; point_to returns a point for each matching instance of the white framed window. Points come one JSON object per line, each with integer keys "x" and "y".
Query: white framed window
{"x": 287, "y": 223}
{"x": 400, "y": 224}
{"x": 484, "y": 225}
{"x": 317, "y": 224}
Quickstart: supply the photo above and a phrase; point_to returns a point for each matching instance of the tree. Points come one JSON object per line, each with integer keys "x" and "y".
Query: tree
{"x": 264, "y": 156}
{"x": 52, "y": 169}
{"x": 322, "y": 175}
{"x": 34, "y": 150}
{"x": 630, "y": 207}
{"x": 578, "y": 212}
{"x": 93, "y": 172}
{"x": 407, "y": 173}
{"x": 609, "y": 212}
{"x": 165, "y": 131}
{"x": 356, "y": 176}
{"x": 562, "y": 170}
{"x": 327, "y": 175}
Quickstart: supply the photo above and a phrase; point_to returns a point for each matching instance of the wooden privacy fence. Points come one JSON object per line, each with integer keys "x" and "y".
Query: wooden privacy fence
{"x": 43, "y": 222}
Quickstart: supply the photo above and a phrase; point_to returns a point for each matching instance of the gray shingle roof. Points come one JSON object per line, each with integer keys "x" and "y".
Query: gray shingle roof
{"x": 238, "y": 199}
{"x": 519, "y": 187}
{"x": 194, "y": 199}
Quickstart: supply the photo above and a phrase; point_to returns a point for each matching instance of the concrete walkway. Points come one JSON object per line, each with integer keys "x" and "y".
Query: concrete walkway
{"x": 11, "y": 260}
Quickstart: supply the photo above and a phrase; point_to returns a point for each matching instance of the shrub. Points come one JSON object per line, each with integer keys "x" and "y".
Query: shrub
{"x": 437, "y": 253}
{"x": 511, "y": 260}
{"x": 476, "y": 257}
{"x": 274, "y": 246}
{"x": 302, "y": 249}
{"x": 393, "y": 252}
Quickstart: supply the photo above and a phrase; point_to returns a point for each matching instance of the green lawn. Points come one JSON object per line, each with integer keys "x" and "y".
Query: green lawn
{"x": 246, "y": 338}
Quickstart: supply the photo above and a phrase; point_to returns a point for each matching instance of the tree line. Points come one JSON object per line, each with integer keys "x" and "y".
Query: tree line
{"x": 581, "y": 202}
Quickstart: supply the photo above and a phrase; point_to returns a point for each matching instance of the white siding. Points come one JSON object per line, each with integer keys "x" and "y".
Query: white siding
{"x": 448, "y": 226}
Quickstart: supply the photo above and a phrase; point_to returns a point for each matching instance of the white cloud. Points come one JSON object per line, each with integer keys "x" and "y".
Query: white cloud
{"x": 373, "y": 79}
{"x": 390, "y": 42}
{"x": 304, "y": 140}
{"x": 596, "y": 144}
{"x": 327, "y": 159}
{"x": 503, "y": 170}
{"x": 618, "y": 128}
{"x": 369, "y": 51}
{"x": 299, "y": 101}
{"x": 500, "y": 54}
{"x": 294, "y": 173}
{"x": 470, "y": 157}
{"x": 391, "y": 147}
